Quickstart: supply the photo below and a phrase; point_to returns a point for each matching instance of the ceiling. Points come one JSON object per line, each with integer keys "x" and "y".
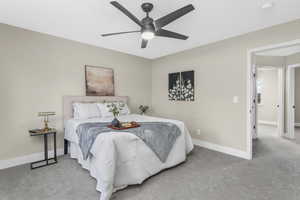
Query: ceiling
{"x": 85, "y": 20}
{"x": 287, "y": 51}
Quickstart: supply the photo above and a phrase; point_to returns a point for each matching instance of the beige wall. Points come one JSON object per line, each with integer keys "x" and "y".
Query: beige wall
{"x": 297, "y": 95}
{"x": 293, "y": 59}
{"x": 37, "y": 70}
{"x": 267, "y": 110}
{"x": 220, "y": 74}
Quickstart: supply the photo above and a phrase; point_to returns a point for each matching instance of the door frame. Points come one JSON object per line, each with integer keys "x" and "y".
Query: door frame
{"x": 281, "y": 101}
{"x": 291, "y": 100}
{"x": 249, "y": 86}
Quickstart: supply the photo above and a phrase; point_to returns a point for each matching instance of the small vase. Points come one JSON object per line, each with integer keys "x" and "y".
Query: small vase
{"x": 115, "y": 123}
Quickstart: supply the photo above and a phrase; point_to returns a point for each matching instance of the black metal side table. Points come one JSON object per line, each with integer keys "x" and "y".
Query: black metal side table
{"x": 47, "y": 161}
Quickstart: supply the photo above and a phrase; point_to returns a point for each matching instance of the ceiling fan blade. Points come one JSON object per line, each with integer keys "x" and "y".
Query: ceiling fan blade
{"x": 163, "y": 21}
{"x": 170, "y": 34}
{"x": 144, "y": 44}
{"x": 110, "y": 34}
{"x": 126, "y": 12}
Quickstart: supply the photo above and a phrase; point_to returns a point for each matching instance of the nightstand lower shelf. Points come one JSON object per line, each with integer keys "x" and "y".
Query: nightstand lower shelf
{"x": 50, "y": 161}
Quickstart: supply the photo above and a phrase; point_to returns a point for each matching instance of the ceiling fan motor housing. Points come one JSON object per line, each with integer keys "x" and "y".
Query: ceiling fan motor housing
{"x": 148, "y": 24}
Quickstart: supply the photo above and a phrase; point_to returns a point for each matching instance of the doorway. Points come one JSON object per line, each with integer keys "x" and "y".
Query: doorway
{"x": 279, "y": 54}
{"x": 268, "y": 100}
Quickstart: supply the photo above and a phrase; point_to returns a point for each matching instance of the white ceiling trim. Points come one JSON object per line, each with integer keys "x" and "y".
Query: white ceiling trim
{"x": 288, "y": 51}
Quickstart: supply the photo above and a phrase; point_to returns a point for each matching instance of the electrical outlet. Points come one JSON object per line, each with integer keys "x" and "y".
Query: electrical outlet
{"x": 198, "y": 132}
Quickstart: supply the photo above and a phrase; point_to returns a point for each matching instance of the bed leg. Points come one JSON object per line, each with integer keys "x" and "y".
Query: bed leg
{"x": 66, "y": 147}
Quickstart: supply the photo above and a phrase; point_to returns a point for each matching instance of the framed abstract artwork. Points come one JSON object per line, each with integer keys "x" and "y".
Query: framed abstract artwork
{"x": 99, "y": 81}
{"x": 174, "y": 86}
{"x": 187, "y": 86}
{"x": 181, "y": 86}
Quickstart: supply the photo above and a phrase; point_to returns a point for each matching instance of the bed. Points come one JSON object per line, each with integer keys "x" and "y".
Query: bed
{"x": 120, "y": 159}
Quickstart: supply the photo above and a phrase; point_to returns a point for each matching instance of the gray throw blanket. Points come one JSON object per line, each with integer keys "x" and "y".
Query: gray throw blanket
{"x": 158, "y": 136}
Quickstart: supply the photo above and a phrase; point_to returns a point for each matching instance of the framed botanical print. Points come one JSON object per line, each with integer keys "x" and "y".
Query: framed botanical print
{"x": 187, "y": 86}
{"x": 181, "y": 86}
{"x": 174, "y": 86}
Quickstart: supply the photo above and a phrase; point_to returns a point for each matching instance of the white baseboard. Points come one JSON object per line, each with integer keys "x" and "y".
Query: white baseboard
{"x": 297, "y": 124}
{"x": 222, "y": 149}
{"x": 267, "y": 123}
{"x": 27, "y": 159}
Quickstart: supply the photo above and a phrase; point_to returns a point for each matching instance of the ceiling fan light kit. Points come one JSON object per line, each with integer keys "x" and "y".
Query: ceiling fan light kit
{"x": 148, "y": 35}
{"x": 150, "y": 28}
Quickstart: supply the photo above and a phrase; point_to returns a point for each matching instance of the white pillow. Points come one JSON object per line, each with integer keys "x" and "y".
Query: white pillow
{"x": 104, "y": 109}
{"x": 86, "y": 111}
{"x": 125, "y": 110}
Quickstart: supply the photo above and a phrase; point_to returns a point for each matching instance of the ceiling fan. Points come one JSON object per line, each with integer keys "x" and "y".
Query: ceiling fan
{"x": 151, "y": 28}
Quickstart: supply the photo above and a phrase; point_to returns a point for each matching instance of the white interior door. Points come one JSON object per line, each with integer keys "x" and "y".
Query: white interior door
{"x": 254, "y": 102}
{"x": 290, "y": 103}
{"x": 280, "y": 106}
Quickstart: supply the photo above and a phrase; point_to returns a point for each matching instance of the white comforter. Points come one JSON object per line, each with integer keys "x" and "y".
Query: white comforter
{"x": 122, "y": 159}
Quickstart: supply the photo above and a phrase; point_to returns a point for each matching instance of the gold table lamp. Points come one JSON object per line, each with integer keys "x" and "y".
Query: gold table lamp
{"x": 46, "y": 119}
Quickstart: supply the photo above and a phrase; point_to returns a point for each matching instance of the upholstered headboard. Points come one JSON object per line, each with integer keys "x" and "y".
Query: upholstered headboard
{"x": 69, "y": 100}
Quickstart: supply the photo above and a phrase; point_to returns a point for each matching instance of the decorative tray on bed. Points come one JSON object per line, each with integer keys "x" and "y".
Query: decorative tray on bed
{"x": 126, "y": 125}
